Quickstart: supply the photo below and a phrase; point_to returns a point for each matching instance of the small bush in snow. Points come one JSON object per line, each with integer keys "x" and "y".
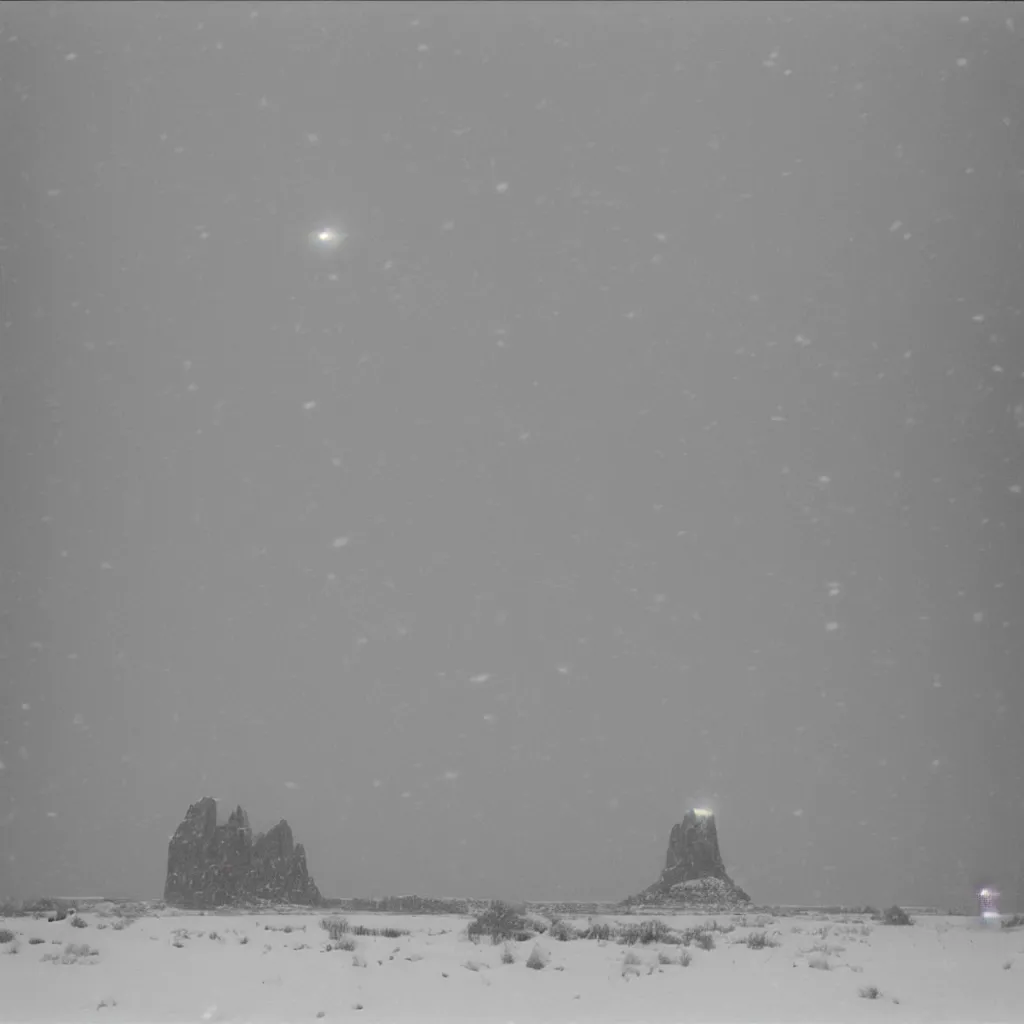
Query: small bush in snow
{"x": 705, "y": 940}
{"x": 869, "y": 992}
{"x": 6, "y": 935}
{"x": 1016, "y": 921}
{"x": 500, "y": 922}
{"x": 80, "y": 949}
{"x": 78, "y": 922}
{"x": 896, "y": 915}
{"x": 537, "y": 961}
{"x": 759, "y": 940}
{"x": 508, "y": 955}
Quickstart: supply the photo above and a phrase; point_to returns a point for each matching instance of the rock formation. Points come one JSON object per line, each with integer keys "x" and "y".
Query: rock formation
{"x": 694, "y": 873}
{"x": 211, "y": 865}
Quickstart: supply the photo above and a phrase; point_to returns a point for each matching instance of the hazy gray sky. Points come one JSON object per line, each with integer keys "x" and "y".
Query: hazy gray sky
{"x": 655, "y": 439}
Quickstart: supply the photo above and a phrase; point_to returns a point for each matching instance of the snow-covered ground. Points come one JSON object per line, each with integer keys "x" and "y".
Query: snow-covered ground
{"x": 172, "y": 966}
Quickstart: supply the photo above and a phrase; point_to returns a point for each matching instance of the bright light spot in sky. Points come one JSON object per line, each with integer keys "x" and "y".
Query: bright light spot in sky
{"x": 702, "y": 812}
{"x": 327, "y": 239}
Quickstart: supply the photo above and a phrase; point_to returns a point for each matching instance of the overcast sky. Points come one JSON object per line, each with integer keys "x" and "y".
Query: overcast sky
{"x": 655, "y": 438}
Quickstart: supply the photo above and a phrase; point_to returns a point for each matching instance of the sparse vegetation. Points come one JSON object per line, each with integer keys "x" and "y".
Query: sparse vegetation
{"x": 508, "y": 955}
{"x": 647, "y": 932}
{"x": 685, "y": 958}
{"x": 6, "y": 935}
{"x": 1016, "y": 921}
{"x": 819, "y": 963}
{"x": 562, "y": 931}
{"x": 826, "y": 949}
{"x": 705, "y": 940}
{"x": 387, "y": 933}
{"x": 36, "y": 941}
{"x": 760, "y": 940}
{"x": 869, "y": 992}
{"x": 79, "y": 922}
{"x": 73, "y": 953}
{"x": 335, "y": 927}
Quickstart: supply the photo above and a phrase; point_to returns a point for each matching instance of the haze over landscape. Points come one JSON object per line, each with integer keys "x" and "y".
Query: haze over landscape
{"x": 652, "y": 438}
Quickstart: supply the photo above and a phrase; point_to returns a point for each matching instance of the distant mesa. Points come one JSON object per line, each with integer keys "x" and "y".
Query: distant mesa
{"x": 694, "y": 873}
{"x": 211, "y": 865}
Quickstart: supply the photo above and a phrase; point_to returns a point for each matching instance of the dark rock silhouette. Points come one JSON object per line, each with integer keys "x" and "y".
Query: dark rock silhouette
{"x": 694, "y": 872}
{"x": 211, "y": 865}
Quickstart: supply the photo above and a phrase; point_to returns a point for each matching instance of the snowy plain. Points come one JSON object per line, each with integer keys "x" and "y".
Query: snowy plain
{"x": 170, "y": 966}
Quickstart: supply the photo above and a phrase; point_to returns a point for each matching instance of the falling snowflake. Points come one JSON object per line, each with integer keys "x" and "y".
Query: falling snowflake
{"x": 340, "y": 542}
